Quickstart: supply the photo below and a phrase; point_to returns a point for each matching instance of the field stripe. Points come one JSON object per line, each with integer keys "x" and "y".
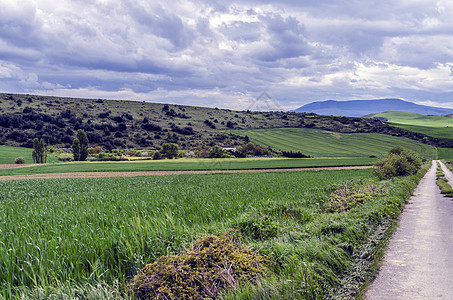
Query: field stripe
{"x": 165, "y": 173}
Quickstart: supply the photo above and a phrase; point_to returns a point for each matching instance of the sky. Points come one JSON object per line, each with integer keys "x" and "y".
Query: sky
{"x": 228, "y": 54}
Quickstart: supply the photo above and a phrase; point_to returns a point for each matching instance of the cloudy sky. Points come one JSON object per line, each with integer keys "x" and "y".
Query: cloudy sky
{"x": 226, "y": 53}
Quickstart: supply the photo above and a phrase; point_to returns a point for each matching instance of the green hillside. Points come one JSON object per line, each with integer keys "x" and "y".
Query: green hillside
{"x": 114, "y": 124}
{"x": 9, "y": 153}
{"x": 319, "y": 143}
{"x": 416, "y": 119}
{"x": 434, "y": 126}
{"x": 436, "y": 132}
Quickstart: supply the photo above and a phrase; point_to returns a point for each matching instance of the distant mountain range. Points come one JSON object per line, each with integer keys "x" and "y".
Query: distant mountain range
{"x": 358, "y": 108}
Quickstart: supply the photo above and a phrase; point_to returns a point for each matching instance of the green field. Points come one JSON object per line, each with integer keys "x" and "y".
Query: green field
{"x": 8, "y": 154}
{"x": 436, "y": 132}
{"x": 319, "y": 143}
{"x": 190, "y": 164}
{"x": 445, "y": 153}
{"x": 70, "y": 237}
{"x": 435, "y": 126}
{"x": 416, "y": 119}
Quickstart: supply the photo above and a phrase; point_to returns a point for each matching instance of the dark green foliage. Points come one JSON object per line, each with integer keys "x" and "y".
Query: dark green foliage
{"x": 157, "y": 155}
{"x": 82, "y": 137}
{"x": 76, "y": 149}
{"x": 208, "y": 267}
{"x": 397, "y": 163}
{"x": 39, "y": 151}
{"x": 216, "y": 152}
{"x": 295, "y": 154}
{"x": 169, "y": 150}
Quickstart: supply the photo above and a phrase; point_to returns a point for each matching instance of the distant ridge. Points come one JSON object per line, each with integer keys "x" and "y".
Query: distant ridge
{"x": 358, "y": 108}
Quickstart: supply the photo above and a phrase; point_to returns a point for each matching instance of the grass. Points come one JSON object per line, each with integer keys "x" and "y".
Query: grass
{"x": 9, "y": 153}
{"x": 408, "y": 118}
{"x": 319, "y": 143}
{"x": 437, "y": 132}
{"x": 442, "y": 183}
{"x": 87, "y": 237}
{"x": 434, "y": 126}
{"x": 188, "y": 164}
{"x": 445, "y": 153}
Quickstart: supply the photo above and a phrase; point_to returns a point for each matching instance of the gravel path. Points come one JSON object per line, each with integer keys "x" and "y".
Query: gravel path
{"x": 161, "y": 173}
{"x": 418, "y": 263}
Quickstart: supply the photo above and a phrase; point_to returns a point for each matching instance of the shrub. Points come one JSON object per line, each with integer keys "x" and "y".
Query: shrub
{"x": 351, "y": 194}
{"x": 257, "y": 226}
{"x": 157, "y": 155}
{"x": 397, "y": 163}
{"x": 19, "y": 160}
{"x": 209, "y": 266}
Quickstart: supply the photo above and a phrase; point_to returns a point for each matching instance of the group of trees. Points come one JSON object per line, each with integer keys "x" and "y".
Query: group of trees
{"x": 80, "y": 146}
{"x": 39, "y": 153}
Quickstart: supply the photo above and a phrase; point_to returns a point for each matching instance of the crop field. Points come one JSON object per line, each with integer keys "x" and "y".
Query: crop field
{"x": 445, "y": 153}
{"x": 435, "y": 126}
{"x": 437, "y": 132}
{"x": 189, "y": 164}
{"x": 73, "y": 237}
{"x": 416, "y": 119}
{"x": 319, "y": 143}
{"x": 8, "y": 154}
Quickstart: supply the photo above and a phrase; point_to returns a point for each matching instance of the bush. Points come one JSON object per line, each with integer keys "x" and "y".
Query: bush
{"x": 203, "y": 271}
{"x": 157, "y": 155}
{"x": 345, "y": 197}
{"x": 257, "y": 226}
{"x": 397, "y": 163}
{"x": 19, "y": 160}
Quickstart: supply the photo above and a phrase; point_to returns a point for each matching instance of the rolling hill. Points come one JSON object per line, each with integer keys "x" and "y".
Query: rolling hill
{"x": 357, "y": 108}
{"x": 434, "y": 126}
{"x": 320, "y": 143}
{"x": 144, "y": 125}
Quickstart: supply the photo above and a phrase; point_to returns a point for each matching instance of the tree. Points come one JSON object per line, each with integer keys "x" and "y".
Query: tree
{"x": 39, "y": 151}
{"x": 216, "y": 152}
{"x": 82, "y": 137}
{"x": 169, "y": 150}
{"x": 76, "y": 149}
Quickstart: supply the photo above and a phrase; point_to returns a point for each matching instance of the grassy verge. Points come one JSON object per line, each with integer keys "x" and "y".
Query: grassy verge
{"x": 189, "y": 164}
{"x": 88, "y": 237}
{"x": 442, "y": 183}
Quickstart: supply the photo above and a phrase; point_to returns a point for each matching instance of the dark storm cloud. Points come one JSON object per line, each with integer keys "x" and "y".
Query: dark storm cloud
{"x": 228, "y": 52}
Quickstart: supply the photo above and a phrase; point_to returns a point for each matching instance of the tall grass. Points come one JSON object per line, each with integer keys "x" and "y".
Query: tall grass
{"x": 89, "y": 236}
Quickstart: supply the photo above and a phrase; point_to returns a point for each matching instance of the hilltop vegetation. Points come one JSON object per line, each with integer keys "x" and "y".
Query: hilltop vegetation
{"x": 132, "y": 124}
{"x": 321, "y": 143}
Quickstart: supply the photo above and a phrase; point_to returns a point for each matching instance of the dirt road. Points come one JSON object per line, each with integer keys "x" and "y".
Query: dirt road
{"x": 161, "y": 173}
{"x": 418, "y": 263}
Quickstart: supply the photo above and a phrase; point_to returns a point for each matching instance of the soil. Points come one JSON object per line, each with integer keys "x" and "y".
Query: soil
{"x": 12, "y": 166}
{"x": 161, "y": 173}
